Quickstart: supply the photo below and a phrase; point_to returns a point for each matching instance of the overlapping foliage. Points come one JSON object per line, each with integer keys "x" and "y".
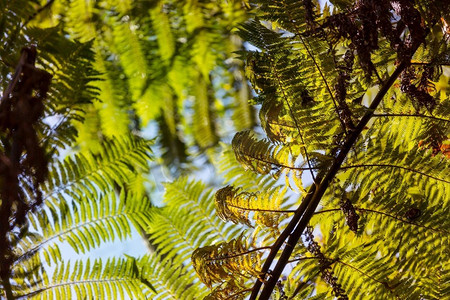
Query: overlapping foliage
{"x": 84, "y": 200}
{"x": 355, "y": 108}
{"x": 115, "y": 66}
{"x": 164, "y": 64}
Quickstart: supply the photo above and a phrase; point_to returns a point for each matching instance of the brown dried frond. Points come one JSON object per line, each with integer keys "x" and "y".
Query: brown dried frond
{"x": 325, "y": 265}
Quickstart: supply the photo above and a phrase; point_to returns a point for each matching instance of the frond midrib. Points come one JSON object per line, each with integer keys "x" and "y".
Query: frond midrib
{"x": 78, "y": 282}
{"x": 102, "y": 167}
{"x": 67, "y": 231}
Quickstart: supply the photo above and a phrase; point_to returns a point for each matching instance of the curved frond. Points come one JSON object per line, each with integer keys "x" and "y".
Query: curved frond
{"x": 231, "y": 169}
{"x": 235, "y": 205}
{"x": 225, "y": 261}
{"x": 203, "y": 119}
{"x": 113, "y": 279}
{"x": 85, "y": 225}
{"x": 88, "y": 175}
{"x": 186, "y": 222}
{"x": 170, "y": 279}
{"x": 262, "y": 156}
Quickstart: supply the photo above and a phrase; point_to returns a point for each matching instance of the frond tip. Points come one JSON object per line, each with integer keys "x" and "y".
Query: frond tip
{"x": 236, "y": 206}
{"x": 262, "y": 156}
{"x": 224, "y": 199}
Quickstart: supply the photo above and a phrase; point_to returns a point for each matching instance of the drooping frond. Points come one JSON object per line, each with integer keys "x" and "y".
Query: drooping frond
{"x": 80, "y": 204}
{"x": 152, "y": 52}
{"x": 174, "y": 148}
{"x": 227, "y": 290}
{"x": 203, "y": 118}
{"x": 113, "y": 279}
{"x": 185, "y": 223}
{"x": 264, "y": 157}
{"x": 91, "y": 199}
{"x": 113, "y": 105}
{"x": 175, "y": 229}
{"x": 235, "y": 205}
{"x": 88, "y": 175}
{"x": 231, "y": 169}
{"x": 170, "y": 279}
{"x": 85, "y": 224}
{"x": 225, "y": 261}
{"x": 288, "y": 84}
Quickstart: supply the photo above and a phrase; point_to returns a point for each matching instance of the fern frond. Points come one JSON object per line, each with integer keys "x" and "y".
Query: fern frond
{"x": 289, "y": 85}
{"x": 85, "y": 225}
{"x": 87, "y": 175}
{"x": 264, "y": 157}
{"x": 231, "y": 169}
{"x": 236, "y": 206}
{"x": 171, "y": 280}
{"x": 132, "y": 53}
{"x": 113, "y": 279}
{"x": 165, "y": 37}
{"x": 203, "y": 120}
{"x": 81, "y": 19}
{"x": 174, "y": 148}
{"x": 227, "y": 290}
{"x": 112, "y": 107}
{"x": 186, "y": 222}
{"x": 72, "y": 88}
{"x": 224, "y": 261}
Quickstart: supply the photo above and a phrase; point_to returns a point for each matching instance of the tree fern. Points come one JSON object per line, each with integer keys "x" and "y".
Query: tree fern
{"x": 226, "y": 261}
{"x": 348, "y": 97}
{"x": 187, "y": 221}
{"x": 354, "y": 108}
{"x": 152, "y": 53}
{"x": 85, "y": 215}
{"x": 90, "y": 174}
{"x": 86, "y": 198}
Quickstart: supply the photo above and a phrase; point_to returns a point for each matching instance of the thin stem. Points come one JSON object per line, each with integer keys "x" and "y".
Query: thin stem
{"x": 238, "y": 293}
{"x": 302, "y": 140}
{"x": 399, "y": 219}
{"x": 261, "y": 159}
{"x": 384, "y": 283}
{"x": 301, "y": 285}
{"x": 393, "y": 166}
{"x": 384, "y": 214}
{"x": 76, "y": 282}
{"x": 73, "y": 229}
{"x": 37, "y": 12}
{"x": 324, "y": 80}
{"x": 280, "y": 241}
{"x": 424, "y": 63}
{"x": 238, "y": 254}
{"x": 302, "y": 258}
{"x": 296, "y": 124}
{"x": 263, "y": 210}
{"x": 411, "y": 115}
